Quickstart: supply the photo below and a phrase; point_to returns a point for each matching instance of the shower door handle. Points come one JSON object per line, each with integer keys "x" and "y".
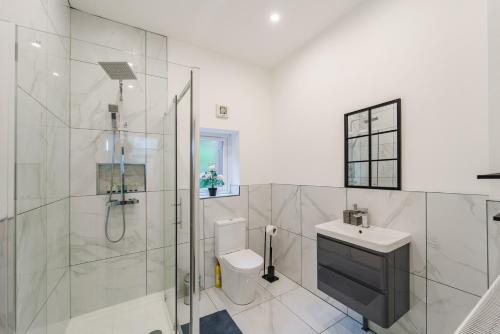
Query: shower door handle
{"x": 179, "y": 212}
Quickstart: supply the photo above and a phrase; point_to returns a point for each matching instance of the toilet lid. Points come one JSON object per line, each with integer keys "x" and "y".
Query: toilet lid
{"x": 244, "y": 259}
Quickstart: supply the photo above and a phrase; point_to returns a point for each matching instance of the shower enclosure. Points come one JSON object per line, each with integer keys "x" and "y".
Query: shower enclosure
{"x": 98, "y": 182}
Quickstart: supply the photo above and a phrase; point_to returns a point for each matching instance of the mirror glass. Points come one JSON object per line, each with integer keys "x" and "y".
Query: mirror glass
{"x": 372, "y": 147}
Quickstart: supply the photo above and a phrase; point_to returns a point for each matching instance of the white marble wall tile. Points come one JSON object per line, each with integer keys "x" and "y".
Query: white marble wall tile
{"x": 156, "y": 46}
{"x": 31, "y": 266}
{"x": 259, "y": 207}
{"x": 286, "y": 207}
{"x": 184, "y": 216}
{"x": 88, "y": 217}
{"x": 415, "y": 321}
{"x": 256, "y": 241}
{"x": 30, "y": 155}
{"x": 154, "y": 162}
{"x": 157, "y": 225}
{"x": 156, "y": 52}
{"x": 57, "y": 179}
{"x": 43, "y": 70}
{"x": 310, "y": 273}
{"x": 57, "y": 242}
{"x": 93, "y": 53}
{"x": 210, "y": 261}
{"x": 39, "y": 324}
{"x": 320, "y": 205}
{"x": 398, "y": 210}
{"x": 58, "y": 77}
{"x": 15, "y": 11}
{"x": 156, "y": 261}
{"x": 287, "y": 253}
{"x": 90, "y": 147}
{"x": 101, "y": 31}
{"x": 58, "y": 307}
{"x": 182, "y": 267}
{"x": 170, "y": 216}
{"x": 170, "y": 269}
{"x": 32, "y": 63}
{"x": 103, "y": 283}
{"x": 58, "y": 12}
{"x": 91, "y": 92}
{"x": 456, "y": 241}
{"x": 156, "y": 104}
{"x": 169, "y": 162}
{"x": 493, "y": 241}
{"x": 446, "y": 308}
{"x": 224, "y": 208}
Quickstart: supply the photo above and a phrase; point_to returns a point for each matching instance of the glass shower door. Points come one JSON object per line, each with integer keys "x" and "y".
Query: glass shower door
{"x": 183, "y": 192}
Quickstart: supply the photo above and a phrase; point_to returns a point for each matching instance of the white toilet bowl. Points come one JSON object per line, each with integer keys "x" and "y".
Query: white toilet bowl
{"x": 240, "y": 273}
{"x": 240, "y": 267}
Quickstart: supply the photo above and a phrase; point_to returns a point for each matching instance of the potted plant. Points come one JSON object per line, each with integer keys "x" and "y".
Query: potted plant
{"x": 211, "y": 180}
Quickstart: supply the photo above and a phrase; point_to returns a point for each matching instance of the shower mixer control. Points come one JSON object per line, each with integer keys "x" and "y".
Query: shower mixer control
{"x": 131, "y": 201}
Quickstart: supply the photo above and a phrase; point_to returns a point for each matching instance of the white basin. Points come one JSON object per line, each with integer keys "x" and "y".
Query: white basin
{"x": 379, "y": 239}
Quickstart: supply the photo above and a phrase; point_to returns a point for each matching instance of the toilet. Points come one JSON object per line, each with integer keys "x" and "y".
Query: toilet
{"x": 240, "y": 267}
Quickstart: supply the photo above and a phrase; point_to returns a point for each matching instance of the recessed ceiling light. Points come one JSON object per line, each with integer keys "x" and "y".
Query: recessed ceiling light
{"x": 36, "y": 44}
{"x": 130, "y": 86}
{"x": 275, "y": 17}
{"x": 55, "y": 74}
{"x": 131, "y": 64}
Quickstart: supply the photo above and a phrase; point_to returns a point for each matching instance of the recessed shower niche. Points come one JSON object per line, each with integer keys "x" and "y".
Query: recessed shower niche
{"x": 134, "y": 178}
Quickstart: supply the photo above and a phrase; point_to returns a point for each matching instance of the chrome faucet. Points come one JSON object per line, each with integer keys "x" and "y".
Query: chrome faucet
{"x": 363, "y": 216}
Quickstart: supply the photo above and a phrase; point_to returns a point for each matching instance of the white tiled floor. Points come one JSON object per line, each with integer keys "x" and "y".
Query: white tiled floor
{"x": 282, "y": 307}
{"x": 141, "y": 315}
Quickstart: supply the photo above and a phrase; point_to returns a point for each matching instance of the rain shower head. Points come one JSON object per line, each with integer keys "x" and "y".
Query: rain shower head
{"x": 118, "y": 70}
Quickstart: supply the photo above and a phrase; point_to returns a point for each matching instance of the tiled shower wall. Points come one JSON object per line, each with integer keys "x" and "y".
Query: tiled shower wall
{"x": 103, "y": 273}
{"x": 42, "y": 164}
{"x": 449, "y": 261}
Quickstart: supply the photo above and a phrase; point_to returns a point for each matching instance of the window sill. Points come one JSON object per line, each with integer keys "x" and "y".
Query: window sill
{"x": 235, "y": 191}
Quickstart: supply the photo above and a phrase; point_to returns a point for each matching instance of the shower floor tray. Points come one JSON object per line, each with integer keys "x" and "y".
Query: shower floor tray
{"x": 142, "y": 315}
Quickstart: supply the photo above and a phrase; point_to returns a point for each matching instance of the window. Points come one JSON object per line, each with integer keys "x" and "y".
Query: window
{"x": 219, "y": 148}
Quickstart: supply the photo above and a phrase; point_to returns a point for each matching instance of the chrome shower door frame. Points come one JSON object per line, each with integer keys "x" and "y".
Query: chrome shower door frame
{"x": 7, "y": 176}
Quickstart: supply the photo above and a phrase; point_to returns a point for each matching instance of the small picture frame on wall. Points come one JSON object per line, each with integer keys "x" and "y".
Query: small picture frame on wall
{"x": 373, "y": 147}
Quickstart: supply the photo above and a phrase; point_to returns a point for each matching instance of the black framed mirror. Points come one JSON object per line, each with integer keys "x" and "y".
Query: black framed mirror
{"x": 373, "y": 147}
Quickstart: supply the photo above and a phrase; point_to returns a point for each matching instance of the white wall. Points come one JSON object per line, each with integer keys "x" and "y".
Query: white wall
{"x": 432, "y": 54}
{"x": 245, "y": 88}
{"x": 494, "y": 93}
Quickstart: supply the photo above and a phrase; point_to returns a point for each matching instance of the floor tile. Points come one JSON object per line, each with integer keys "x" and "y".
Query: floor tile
{"x": 346, "y": 326}
{"x": 206, "y": 308}
{"x": 271, "y": 317}
{"x": 314, "y": 311}
{"x": 279, "y": 287}
{"x": 222, "y": 302}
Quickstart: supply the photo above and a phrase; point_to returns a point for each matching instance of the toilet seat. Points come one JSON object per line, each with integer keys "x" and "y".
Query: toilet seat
{"x": 243, "y": 260}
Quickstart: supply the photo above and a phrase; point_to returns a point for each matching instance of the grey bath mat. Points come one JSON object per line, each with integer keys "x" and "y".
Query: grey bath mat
{"x": 216, "y": 323}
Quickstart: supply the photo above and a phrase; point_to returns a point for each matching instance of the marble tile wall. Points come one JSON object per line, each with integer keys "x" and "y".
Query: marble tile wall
{"x": 140, "y": 259}
{"x": 41, "y": 237}
{"x": 448, "y": 252}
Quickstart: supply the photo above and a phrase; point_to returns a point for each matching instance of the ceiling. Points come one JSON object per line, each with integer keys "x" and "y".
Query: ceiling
{"x": 239, "y": 28}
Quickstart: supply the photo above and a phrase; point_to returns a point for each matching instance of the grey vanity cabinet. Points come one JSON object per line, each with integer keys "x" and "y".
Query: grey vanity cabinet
{"x": 376, "y": 285}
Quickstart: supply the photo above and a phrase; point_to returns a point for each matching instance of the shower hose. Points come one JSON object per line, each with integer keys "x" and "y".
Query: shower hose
{"x": 110, "y": 200}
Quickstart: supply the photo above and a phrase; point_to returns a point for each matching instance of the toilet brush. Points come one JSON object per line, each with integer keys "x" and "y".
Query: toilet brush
{"x": 270, "y": 276}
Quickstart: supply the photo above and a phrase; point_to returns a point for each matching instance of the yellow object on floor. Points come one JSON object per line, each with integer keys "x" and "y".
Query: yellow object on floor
{"x": 218, "y": 282}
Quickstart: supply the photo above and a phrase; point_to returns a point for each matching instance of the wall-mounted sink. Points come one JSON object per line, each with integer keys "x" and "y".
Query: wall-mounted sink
{"x": 379, "y": 239}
